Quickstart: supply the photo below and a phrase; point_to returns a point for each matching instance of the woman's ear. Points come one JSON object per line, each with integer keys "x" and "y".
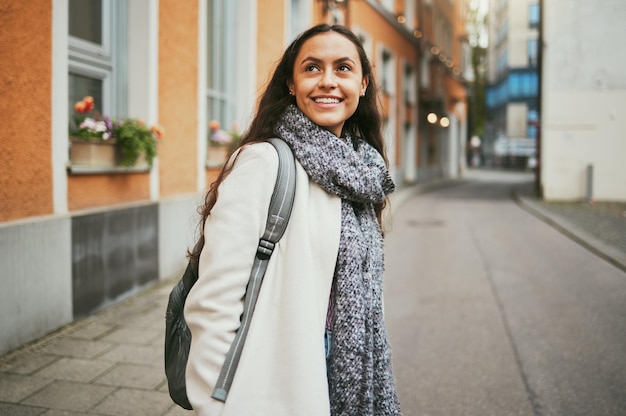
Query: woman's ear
{"x": 364, "y": 84}
{"x": 289, "y": 83}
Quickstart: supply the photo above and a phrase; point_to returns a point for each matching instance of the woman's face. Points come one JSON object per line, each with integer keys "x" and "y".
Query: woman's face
{"x": 328, "y": 80}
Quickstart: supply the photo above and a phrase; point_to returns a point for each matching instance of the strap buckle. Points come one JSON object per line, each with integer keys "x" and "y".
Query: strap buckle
{"x": 265, "y": 249}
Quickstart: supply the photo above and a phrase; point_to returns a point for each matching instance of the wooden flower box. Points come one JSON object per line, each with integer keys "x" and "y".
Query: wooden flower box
{"x": 98, "y": 153}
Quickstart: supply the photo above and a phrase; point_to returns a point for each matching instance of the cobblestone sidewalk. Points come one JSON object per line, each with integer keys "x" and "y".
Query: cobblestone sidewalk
{"x": 110, "y": 363}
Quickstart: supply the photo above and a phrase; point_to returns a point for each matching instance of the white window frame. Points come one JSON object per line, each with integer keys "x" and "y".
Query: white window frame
{"x": 105, "y": 62}
{"x": 389, "y": 5}
{"x": 409, "y": 13}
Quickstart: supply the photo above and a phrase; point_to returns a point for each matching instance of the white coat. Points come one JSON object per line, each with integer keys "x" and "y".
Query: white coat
{"x": 282, "y": 371}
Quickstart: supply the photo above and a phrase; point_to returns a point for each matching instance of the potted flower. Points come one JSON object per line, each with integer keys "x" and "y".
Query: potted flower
{"x": 221, "y": 143}
{"x": 90, "y": 136}
{"x": 97, "y": 140}
{"x": 136, "y": 140}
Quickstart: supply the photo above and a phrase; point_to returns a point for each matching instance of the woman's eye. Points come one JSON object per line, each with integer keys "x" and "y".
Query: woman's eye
{"x": 311, "y": 68}
{"x": 344, "y": 68}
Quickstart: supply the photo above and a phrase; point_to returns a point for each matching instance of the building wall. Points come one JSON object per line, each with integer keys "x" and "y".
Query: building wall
{"x": 271, "y": 38}
{"x": 70, "y": 244}
{"x": 442, "y": 90}
{"x": 178, "y": 95}
{"x": 584, "y": 100}
{"x": 35, "y": 274}
{"x": 519, "y": 33}
{"x": 376, "y": 27}
{"x": 516, "y": 115}
{"x": 34, "y": 255}
{"x": 25, "y": 109}
{"x": 511, "y": 99}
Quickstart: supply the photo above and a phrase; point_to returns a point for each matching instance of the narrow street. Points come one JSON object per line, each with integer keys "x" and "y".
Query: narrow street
{"x": 491, "y": 311}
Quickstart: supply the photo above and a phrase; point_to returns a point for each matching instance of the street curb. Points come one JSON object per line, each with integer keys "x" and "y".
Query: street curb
{"x": 591, "y": 243}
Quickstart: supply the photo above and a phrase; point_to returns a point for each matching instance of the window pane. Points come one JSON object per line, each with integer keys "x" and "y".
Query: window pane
{"x": 213, "y": 42}
{"x": 532, "y": 52}
{"x": 79, "y": 87}
{"x": 86, "y": 20}
{"x": 533, "y": 15}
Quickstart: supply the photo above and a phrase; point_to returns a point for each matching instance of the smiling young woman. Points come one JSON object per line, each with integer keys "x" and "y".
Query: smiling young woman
{"x": 328, "y": 81}
{"x": 317, "y": 343}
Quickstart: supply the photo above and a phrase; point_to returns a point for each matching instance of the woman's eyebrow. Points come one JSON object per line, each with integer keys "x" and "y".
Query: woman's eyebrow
{"x": 336, "y": 61}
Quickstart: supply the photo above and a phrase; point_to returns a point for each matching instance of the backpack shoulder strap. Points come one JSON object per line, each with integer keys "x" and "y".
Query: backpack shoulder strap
{"x": 282, "y": 198}
{"x": 277, "y": 219}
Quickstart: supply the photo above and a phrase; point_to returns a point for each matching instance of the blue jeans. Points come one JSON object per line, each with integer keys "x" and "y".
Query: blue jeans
{"x": 328, "y": 343}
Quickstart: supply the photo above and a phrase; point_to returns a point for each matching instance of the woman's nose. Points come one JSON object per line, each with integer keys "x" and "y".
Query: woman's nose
{"x": 328, "y": 80}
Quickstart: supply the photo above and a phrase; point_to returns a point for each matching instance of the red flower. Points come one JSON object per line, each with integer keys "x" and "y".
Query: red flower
{"x": 214, "y": 125}
{"x": 80, "y": 107}
{"x": 84, "y": 106}
{"x": 88, "y": 103}
{"x": 158, "y": 131}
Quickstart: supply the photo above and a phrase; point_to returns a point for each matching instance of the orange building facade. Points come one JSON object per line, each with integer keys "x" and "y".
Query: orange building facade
{"x": 75, "y": 239}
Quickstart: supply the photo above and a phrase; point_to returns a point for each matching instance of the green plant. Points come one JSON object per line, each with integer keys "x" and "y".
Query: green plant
{"x": 135, "y": 138}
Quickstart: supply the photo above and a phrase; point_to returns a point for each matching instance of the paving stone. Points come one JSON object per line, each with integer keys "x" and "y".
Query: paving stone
{"x": 157, "y": 322}
{"x": 154, "y": 319}
{"x": 15, "y": 387}
{"x": 29, "y": 363}
{"x": 75, "y": 369}
{"x": 163, "y": 387}
{"x": 178, "y": 411}
{"x": 132, "y": 402}
{"x": 55, "y": 412}
{"x": 135, "y": 354}
{"x": 159, "y": 338}
{"x": 131, "y": 375}
{"x": 132, "y": 336}
{"x": 66, "y": 395}
{"x": 79, "y": 348}
{"x": 93, "y": 330}
{"x": 9, "y": 409}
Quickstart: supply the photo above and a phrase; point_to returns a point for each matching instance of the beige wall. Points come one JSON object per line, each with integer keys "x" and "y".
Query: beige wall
{"x": 519, "y": 33}
{"x": 584, "y": 100}
{"x": 516, "y": 116}
{"x": 270, "y": 39}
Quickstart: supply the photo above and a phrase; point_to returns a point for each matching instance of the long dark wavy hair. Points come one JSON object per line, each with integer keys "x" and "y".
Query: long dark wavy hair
{"x": 366, "y": 121}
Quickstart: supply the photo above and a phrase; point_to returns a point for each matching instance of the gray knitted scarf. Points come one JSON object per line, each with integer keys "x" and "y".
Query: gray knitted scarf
{"x": 360, "y": 379}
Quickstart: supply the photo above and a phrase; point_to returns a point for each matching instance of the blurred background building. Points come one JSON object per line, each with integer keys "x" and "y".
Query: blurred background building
{"x": 556, "y": 97}
{"x": 513, "y": 78}
{"x": 77, "y": 234}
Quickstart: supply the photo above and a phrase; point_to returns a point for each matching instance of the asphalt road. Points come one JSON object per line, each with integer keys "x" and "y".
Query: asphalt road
{"x": 491, "y": 311}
